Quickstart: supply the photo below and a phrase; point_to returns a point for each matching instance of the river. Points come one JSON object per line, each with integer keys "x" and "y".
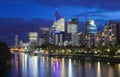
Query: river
{"x": 24, "y": 65}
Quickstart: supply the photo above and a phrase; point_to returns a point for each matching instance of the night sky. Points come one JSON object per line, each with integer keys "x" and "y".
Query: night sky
{"x": 22, "y": 16}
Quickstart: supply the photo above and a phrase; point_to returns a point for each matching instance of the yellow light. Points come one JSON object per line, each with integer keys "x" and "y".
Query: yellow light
{"x": 98, "y": 70}
{"x": 108, "y": 49}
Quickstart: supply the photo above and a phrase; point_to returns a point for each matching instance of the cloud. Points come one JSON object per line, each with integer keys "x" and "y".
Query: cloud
{"x": 104, "y": 4}
{"x": 43, "y": 9}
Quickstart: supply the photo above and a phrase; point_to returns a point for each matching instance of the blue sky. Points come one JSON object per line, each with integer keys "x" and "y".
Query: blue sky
{"x": 30, "y": 15}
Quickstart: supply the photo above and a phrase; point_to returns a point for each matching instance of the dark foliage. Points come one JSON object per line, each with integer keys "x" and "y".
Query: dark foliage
{"x": 5, "y": 57}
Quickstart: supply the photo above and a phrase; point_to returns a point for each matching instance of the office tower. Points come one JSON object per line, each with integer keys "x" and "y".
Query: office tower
{"x": 33, "y": 38}
{"x": 21, "y": 43}
{"x": 59, "y": 22}
{"x": 78, "y": 39}
{"x": 68, "y": 38}
{"x": 118, "y": 33}
{"x": 59, "y": 38}
{"x": 91, "y": 27}
{"x": 107, "y": 33}
{"x": 72, "y": 26}
{"x": 16, "y": 41}
{"x": 46, "y": 35}
{"x": 99, "y": 39}
{"x": 90, "y": 40}
{"x": 91, "y": 33}
{"x": 112, "y": 33}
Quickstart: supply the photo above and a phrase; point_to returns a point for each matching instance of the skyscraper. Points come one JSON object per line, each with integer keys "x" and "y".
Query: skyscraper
{"x": 59, "y": 23}
{"x": 112, "y": 33}
{"x": 33, "y": 38}
{"x": 91, "y": 33}
{"x": 16, "y": 40}
{"x": 59, "y": 38}
{"x": 91, "y": 27}
{"x": 118, "y": 33}
{"x": 72, "y": 26}
{"x": 46, "y": 35}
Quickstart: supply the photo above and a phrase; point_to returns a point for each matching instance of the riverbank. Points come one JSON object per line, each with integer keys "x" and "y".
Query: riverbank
{"x": 87, "y": 57}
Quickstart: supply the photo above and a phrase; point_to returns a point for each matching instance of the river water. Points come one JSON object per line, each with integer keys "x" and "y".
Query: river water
{"x": 24, "y": 65}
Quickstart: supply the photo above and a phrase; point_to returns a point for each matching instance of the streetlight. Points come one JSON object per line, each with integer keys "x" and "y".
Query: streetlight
{"x": 108, "y": 50}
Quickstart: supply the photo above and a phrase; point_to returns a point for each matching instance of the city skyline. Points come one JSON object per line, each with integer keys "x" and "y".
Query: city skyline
{"x": 20, "y": 17}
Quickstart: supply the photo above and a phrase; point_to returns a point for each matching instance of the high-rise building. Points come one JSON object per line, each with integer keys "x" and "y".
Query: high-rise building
{"x": 16, "y": 41}
{"x": 91, "y": 33}
{"x": 59, "y": 38}
{"x": 59, "y": 22}
{"x": 72, "y": 26}
{"x": 91, "y": 27}
{"x": 77, "y": 39}
{"x": 99, "y": 39}
{"x": 112, "y": 33}
{"x": 46, "y": 35}
{"x": 90, "y": 40}
{"x": 33, "y": 38}
{"x": 118, "y": 33}
{"x": 68, "y": 39}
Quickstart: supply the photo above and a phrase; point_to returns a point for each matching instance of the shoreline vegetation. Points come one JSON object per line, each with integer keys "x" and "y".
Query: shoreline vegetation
{"x": 5, "y": 57}
{"x": 106, "y": 53}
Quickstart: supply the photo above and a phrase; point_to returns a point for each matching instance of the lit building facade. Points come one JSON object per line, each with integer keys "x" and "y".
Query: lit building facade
{"x": 77, "y": 39}
{"x": 59, "y": 22}
{"x": 90, "y": 40}
{"x": 46, "y": 36}
{"x": 118, "y": 33}
{"x": 33, "y": 38}
{"x": 111, "y": 33}
{"x": 72, "y": 26}
{"x": 99, "y": 39}
{"x": 16, "y": 41}
{"x": 59, "y": 38}
{"x": 91, "y": 33}
{"x": 91, "y": 27}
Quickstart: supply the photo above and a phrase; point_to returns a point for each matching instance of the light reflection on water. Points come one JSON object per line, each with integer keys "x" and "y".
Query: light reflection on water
{"x": 98, "y": 69}
{"x": 70, "y": 68}
{"x": 24, "y": 65}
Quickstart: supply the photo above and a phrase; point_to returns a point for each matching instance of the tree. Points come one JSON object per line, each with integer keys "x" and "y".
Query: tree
{"x": 5, "y": 57}
{"x": 5, "y": 54}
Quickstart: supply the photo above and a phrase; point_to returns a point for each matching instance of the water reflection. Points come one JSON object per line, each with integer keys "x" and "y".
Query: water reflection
{"x": 63, "y": 71}
{"x": 70, "y": 68}
{"x": 98, "y": 69}
{"x": 119, "y": 69}
{"x": 24, "y": 65}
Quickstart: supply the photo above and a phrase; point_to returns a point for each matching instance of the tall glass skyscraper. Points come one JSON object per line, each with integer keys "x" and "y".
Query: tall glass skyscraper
{"x": 91, "y": 27}
{"x": 91, "y": 33}
{"x": 72, "y": 26}
{"x": 59, "y": 22}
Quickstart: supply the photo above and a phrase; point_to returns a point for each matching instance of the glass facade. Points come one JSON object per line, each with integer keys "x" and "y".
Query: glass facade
{"x": 59, "y": 22}
{"x": 72, "y": 26}
{"x": 91, "y": 27}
